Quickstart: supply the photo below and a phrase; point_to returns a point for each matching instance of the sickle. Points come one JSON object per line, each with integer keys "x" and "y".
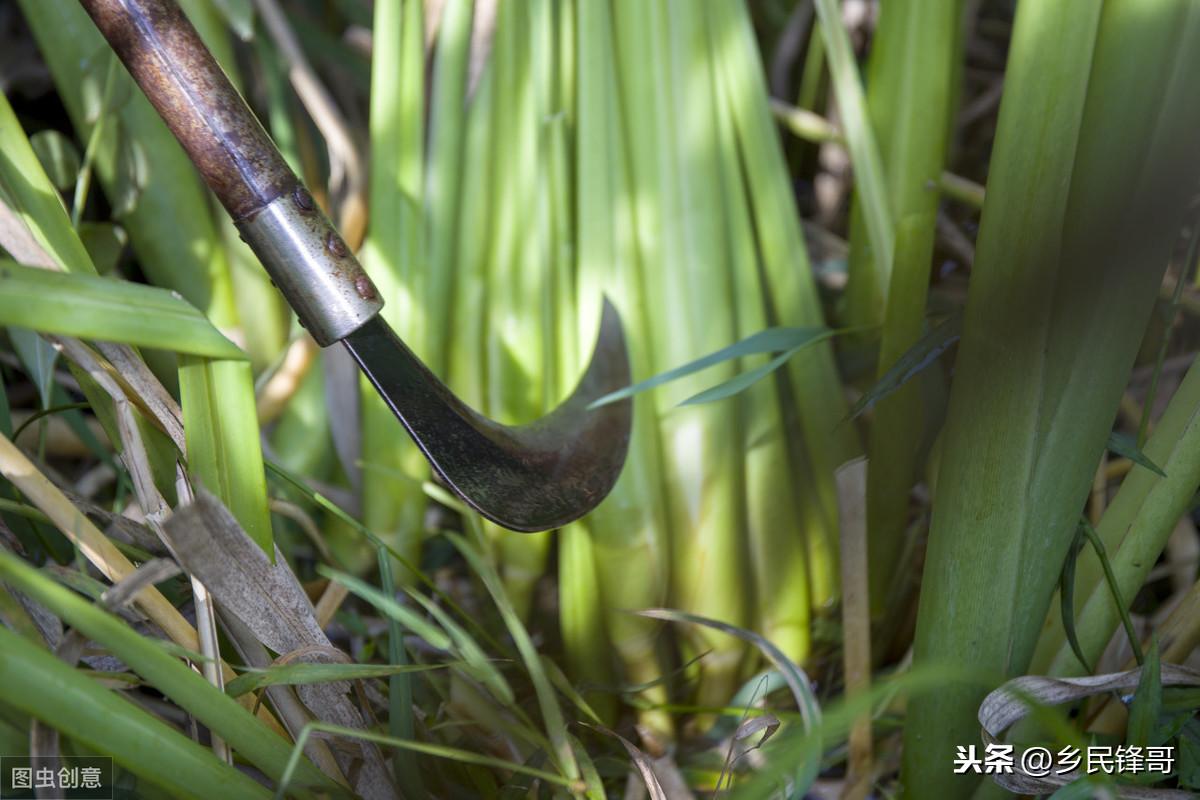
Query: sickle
{"x": 527, "y": 478}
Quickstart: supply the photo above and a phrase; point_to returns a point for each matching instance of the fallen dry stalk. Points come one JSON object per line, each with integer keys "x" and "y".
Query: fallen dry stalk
{"x": 856, "y": 616}
{"x": 330, "y": 601}
{"x": 94, "y": 545}
{"x": 102, "y": 553}
{"x": 144, "y": 389}
{"x": 267, "y": 599}
{"x": 1012, "y": 702}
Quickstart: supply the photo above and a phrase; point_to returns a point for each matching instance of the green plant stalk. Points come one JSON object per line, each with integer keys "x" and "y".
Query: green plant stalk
{"x": 397, "y": 125}
{"x": 777, "y": 530}
{"x": 516, "y": 274}
{"x": 1134, "y": 529}
{"x": 581, "y": 621}
{"x": 66, "y": 699}
{"x": 709, "y": 533}
{"x": 209, "y": 705}
{"x": 561, "y": 93}
{"x": 466, "y": 369}
{"x": 83, "y": 181}
{"x": 567, "y": 78}
{"x": 910, "y": 101}
{"x": 519, "y": 273}
{"x": 867, "y": 292}
{"x": 562, "y": 180}
{"x": 664, "y": 69}
{"x": 1086, "y": 191}
{"x": 582, "y": 600}
{"x": 221, "y": 428}
{"x": 900, "y": 430}
{"x": 813, "y": 74}
{"x": 629, "y": 530}
{"x": 394, "y": 255}
{"x": 813, "y": 402}
{"x": 444, "y": 174}
{"x": 809, "y": 93}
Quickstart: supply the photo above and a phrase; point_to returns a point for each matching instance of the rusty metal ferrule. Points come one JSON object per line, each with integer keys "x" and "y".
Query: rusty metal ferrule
{"x": 311, "y": 265}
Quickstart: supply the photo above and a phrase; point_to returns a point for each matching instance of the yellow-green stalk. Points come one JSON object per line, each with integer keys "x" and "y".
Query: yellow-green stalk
{"x": 814, "y": 405}
{"x": 394, "y": 255}
{"x": 519, "y": 274}
{"x": 628, "y": 530}
{"x": 910, "y": 98}
{"x": 665, "y": 73}
{"x": 776, "y": 524}
{"x": 581, "y": 597}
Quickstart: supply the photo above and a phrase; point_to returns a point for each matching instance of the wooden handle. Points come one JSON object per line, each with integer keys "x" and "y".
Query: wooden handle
{"x": 305, "y": 256}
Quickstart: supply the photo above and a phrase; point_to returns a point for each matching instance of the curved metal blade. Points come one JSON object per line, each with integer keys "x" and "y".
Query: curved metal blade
{"x": 526, "y": 478}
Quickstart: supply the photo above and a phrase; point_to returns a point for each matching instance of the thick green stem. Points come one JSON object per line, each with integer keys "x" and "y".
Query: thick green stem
{"x": 1085, "y": 196}
{"x": 394, "y": 255}
{"x": 910, "y": 99}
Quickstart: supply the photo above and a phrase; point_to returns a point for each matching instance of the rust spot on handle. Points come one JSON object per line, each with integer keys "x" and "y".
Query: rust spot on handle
{"x": 335, "y": 246}
{"x": 364, "y": 287}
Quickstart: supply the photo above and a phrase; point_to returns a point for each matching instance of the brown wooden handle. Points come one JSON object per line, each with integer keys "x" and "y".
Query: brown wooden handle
{"x": 206, "y": 113}
{"x": 304, "y": 255}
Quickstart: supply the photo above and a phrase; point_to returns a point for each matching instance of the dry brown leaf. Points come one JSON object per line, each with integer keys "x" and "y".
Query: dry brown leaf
{"x": 1009, "y": 704}
{"x": 269, "y": 600}
{"x": 96, "y": 547}
{"x": 645, "y": 766}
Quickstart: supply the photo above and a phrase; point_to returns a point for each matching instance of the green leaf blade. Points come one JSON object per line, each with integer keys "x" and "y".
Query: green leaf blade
{"x": 771, "y": 340}
{"x": 104, "y": 309}
{"x": 919, "y": 357}
{"x": 1126, "y": 447}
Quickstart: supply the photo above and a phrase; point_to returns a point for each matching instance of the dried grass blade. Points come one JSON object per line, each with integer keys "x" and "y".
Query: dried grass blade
{"x": 267, "y": 598}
